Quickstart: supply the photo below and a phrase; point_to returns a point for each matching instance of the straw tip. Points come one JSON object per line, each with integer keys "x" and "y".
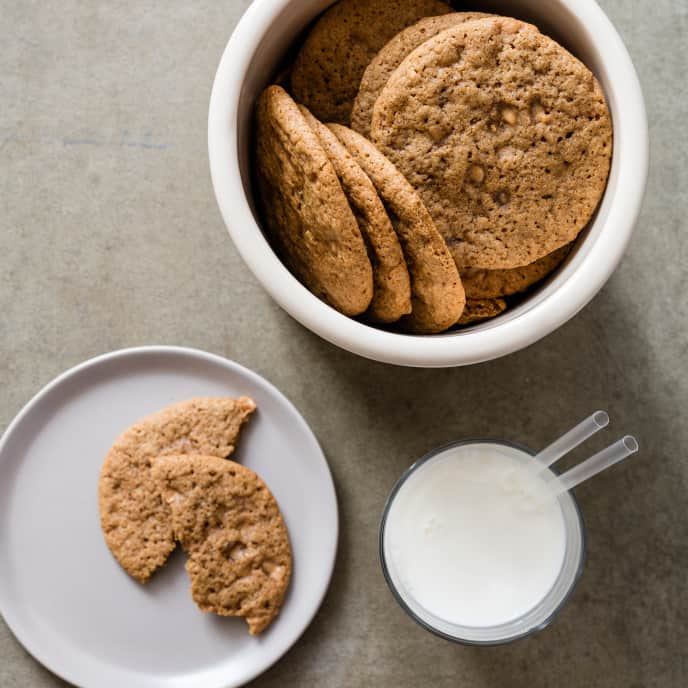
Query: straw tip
{"x": 601, "y": 418}
{"x": 631, "y": 443}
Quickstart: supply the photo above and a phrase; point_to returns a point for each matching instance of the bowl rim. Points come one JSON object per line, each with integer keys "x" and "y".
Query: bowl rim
{"x": 603, "y": 252}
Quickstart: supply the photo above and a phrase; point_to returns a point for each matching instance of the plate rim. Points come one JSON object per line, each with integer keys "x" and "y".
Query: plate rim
{"x": 198, "y": 354}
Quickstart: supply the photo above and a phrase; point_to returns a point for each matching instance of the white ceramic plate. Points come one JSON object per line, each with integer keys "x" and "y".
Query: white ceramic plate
{"x": 62, "y": 593}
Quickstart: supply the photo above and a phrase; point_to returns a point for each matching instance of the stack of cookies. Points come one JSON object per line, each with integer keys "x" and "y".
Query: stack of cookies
{"x": 167, "y": 479}
{"x": 427, "y": 166}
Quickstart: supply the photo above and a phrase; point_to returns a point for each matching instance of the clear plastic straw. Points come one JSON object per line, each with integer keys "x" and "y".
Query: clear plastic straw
{"x": 573, "y": 438}
{"x": 595, "y": 464}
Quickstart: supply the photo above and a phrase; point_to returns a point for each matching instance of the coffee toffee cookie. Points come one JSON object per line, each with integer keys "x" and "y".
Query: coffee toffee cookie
{"x": 331, "y": 62}
{"x": 391, "y": 56}
{"x": 488, "y": 284}
{"x": 133, "y": 517}
{"x": 306, "y": 211}
{"x": 481, "y": 309}
{"x": 391, "y": 284}
{"x": 436, "y": 292}
{"x": 505, "y": 135}
{"x": 230, "y": 524}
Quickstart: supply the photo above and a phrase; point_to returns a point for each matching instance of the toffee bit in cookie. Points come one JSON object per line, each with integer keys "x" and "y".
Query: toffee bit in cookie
{"x": 476, "y": 173}
{"x": 537, "y": 112}
{"x": 509, "y": 115}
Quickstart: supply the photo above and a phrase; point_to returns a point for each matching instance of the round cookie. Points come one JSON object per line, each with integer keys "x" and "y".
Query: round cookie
{"x": 481, "y": 309}
{"x": 437, "y": 296}
{"x": 377, "y": 73}
{"x": 227, "y": 520}
{"x": 505, "y": 135}
{"x": 391, "y": 283}
{"x": 306, "y": 211}
{"x": 134, "y": 519}
{"x": 488, "y": 284}
{"x": 332, "y": 59}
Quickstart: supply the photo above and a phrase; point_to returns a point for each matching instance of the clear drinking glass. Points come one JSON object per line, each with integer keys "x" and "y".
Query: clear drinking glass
{"x": 529, "y": 623}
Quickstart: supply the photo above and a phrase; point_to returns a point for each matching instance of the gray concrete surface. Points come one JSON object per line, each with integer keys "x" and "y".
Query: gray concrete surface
{"x": 110, "y": 237}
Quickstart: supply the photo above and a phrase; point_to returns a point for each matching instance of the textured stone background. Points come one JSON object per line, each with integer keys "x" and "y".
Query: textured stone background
{"x": 110, "y": 237}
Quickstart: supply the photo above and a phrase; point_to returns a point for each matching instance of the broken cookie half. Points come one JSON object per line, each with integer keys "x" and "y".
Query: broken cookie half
{"x": 228, "y": 522}
{"x": 135, "y": 520}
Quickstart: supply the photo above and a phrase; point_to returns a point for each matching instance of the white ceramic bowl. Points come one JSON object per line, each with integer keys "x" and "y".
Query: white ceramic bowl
{"x": 255, "y": 49}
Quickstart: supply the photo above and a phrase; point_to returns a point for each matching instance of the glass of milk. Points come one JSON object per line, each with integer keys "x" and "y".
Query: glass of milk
{"x": 475, "y": 548}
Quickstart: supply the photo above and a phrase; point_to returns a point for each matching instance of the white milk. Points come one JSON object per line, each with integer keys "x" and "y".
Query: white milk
{"x": 473, "y": 537}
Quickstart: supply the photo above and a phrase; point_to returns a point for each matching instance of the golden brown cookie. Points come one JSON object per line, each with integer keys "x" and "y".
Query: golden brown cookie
{"x": 391, "y": 55}
{"x": 391, "y": 283}
{"x": 306, "y": 212}
{"x": 488, "y": 284}
{"x": 230, "y": 524}
{"x": 505, "y": 135}
{"x": 331, "y": 62}
{"x": 436, "y": 293}
{"x": 133, "y": 517}
{"x": 481, "y": 309}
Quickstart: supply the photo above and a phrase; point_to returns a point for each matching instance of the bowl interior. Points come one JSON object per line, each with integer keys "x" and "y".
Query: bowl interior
{"x": 553, "y": 17}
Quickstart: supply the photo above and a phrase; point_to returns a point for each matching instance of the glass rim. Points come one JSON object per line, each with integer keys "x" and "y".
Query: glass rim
{"x": 397, "y": 595}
